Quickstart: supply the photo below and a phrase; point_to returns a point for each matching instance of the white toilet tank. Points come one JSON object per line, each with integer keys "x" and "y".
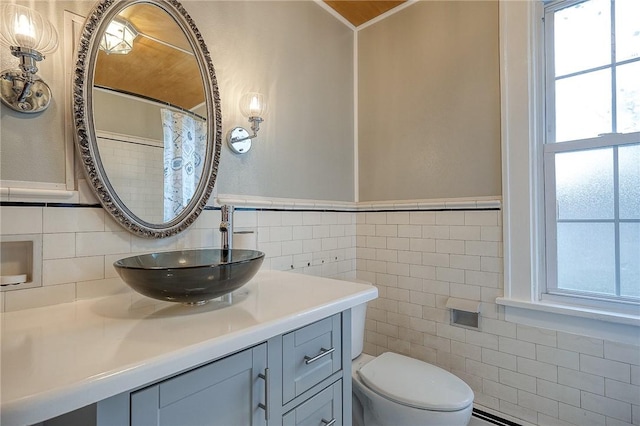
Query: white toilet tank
{"x": 358, "y": 316}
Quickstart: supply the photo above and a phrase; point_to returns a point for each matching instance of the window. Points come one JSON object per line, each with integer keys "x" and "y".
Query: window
{"x": 591, "y": 152}
{"x": 526, "y": 299}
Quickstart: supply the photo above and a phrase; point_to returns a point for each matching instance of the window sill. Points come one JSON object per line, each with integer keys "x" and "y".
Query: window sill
{"x": 573, "y": 319}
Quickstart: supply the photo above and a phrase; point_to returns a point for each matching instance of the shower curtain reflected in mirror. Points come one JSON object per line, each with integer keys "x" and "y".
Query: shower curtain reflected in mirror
{"x": 184, "y": 150}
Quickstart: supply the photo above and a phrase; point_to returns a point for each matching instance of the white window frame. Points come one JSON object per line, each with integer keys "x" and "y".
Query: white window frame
{"x": 522, "y": 103}
{"x": 550, "y": 290}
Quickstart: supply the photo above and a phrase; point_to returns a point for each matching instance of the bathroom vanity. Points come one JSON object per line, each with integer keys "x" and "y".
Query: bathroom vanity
{"x": 280, "y": 354}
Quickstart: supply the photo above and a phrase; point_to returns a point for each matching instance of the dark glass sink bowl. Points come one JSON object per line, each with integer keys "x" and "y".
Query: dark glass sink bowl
{"x": 189, "y": 276}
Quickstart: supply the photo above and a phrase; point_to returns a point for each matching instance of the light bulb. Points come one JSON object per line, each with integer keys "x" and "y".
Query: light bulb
{"x": 24, "y": 30}
{"x": 252, "y": 105}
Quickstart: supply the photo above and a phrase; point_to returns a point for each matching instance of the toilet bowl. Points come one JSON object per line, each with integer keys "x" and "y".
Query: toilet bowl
{"x": 393, "y": 389}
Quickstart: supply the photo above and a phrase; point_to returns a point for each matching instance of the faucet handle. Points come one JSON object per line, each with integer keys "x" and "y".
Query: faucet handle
{"x": 227, "y": 211}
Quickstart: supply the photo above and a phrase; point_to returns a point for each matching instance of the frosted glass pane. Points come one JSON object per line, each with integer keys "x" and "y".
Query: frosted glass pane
{"x": 629, "y": 164}
{"x": 586, "y": 257}
{"x": 584, "y": 184}
{"x": 628, "y": 83}
{"x": 582, "y": 36}
{"x": 630, "y": 259}
{"x": 583, "y": 106}
{"x": 627, "y": 29}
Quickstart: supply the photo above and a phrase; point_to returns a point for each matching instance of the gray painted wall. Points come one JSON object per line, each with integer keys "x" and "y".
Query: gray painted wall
{"x": 294, "y": 52}
{"x": 429, "y": 103}
{"x": 301, "y": 57}
{"x": 33, "y": 146}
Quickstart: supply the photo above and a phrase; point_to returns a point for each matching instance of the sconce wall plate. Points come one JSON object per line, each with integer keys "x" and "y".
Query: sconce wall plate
{"x": 12, "y": 89}
{"x": 239, "y": 140}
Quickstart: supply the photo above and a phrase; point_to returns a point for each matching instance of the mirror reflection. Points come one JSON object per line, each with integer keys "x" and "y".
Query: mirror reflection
{"x": 149, "y": 111}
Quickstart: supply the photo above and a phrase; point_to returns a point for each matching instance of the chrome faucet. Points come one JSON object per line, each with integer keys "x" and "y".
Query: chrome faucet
{"x": 226, "y": 227}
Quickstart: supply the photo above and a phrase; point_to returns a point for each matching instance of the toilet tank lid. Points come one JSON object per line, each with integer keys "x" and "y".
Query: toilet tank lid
{"x": 414, "y": 383}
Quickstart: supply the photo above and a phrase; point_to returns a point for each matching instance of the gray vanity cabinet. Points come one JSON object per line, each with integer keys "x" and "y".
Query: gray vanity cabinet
{"x": 226, "y": 392}
{"x": 302, "y": 377}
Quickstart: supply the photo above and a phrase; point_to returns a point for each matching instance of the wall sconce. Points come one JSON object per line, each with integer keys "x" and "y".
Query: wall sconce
{"x": 30, "y": 36}
{"x": 252, "y": 106}
{"x": 118, "y": 37}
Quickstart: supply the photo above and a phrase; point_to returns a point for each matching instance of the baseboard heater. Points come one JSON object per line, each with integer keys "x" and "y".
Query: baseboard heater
{"x": 491, "y": 418}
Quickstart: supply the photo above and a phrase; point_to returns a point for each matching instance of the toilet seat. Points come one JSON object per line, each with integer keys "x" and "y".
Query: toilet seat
{"x": 414, "y": 383}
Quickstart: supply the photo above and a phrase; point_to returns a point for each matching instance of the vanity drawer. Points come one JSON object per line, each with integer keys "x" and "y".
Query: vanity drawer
{"x": 323, "y": 409}
{"x": 310, "y": 355}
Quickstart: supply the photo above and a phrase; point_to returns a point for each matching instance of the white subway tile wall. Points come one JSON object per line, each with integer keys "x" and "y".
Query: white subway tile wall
{"x": 416, "y": 259}
{"x": 80, "y": 245}
{"x": 139, "y": 165}
{"x": 419, "y": 259}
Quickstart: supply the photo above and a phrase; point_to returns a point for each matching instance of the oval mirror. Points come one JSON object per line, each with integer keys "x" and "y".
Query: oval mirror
{"x": 147, "y": 114}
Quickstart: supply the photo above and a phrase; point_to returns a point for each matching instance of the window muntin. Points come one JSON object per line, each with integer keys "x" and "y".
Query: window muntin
{"x": 591, "y": 154}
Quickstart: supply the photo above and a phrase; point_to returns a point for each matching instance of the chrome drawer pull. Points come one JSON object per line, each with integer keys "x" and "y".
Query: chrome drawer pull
{"x": 329, "y": 422}
{"x": 265, "y": 406}
{"x": 323, "y": 352}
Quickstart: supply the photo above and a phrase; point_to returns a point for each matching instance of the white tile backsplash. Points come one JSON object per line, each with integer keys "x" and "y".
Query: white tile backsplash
{"x": 77, "y": 219}
{"x": 581, "y": 344}
{"x": 61, "y": 271}
{"x": 80, "y": 245}
{"x": 620, "y": 352}
{"x": 602, "y": 367}
{"x": 584, "y": 381}
{"x": 101, "y": 243}
{"x": 559, "y": 357}
{"x": 39, "y": 296}
{"x": 606, "y": 406}
{"x": 58, "y": 246}
{"x": 579, "y": 416}
{"x": 21, "y": 220}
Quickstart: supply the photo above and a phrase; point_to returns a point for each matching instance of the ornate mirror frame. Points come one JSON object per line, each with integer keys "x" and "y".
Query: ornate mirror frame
{"x": 85, "y": 132}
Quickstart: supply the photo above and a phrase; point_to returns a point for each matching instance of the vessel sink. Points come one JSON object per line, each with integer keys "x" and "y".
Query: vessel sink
{"x": 189, "y": 276}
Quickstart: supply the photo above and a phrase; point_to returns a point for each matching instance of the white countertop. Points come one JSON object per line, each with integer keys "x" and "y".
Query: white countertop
{"x": 60, "y": 358}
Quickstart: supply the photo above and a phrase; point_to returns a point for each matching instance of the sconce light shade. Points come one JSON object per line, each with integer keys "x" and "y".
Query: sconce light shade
{"x": 25, "y": 28}
{"x": 252, "y": 106}
{"x": 118, "y": 37}
{"x": 30, "y": 36}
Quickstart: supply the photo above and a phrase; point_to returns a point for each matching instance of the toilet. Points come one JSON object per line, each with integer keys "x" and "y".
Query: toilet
{"x": 393, "y": 389}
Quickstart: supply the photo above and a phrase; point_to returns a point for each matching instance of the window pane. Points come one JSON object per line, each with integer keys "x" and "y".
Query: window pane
{"x": 584, "y": 184}
{"x": 629, "y": 181}
{"x": 630, "y": 259}
{"x": 583, "y": 106}
{"x": 628, "y": 84}
{"x": 582, "y": 36}
{"x": 627, "y": 29}
{"x": 586, "y": 257}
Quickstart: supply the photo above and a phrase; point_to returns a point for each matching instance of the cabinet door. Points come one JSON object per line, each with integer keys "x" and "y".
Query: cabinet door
{"x": 226, "y": 393}
{"x": 324, "y": 408}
